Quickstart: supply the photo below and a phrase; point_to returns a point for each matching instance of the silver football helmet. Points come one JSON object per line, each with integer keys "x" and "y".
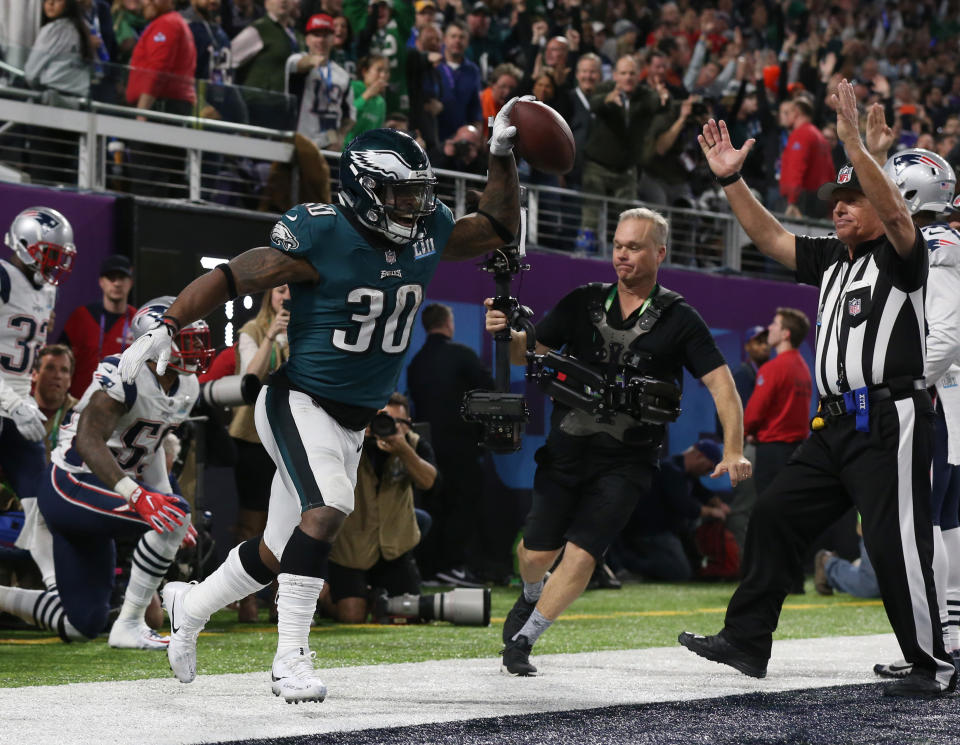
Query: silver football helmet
{"x": 925, "y": 180}
{"x": 192, "y": 350}
{"x": 42, "y": 238}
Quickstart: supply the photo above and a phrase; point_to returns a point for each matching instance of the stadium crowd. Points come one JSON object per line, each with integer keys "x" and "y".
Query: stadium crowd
{"x": 332, "y": 69}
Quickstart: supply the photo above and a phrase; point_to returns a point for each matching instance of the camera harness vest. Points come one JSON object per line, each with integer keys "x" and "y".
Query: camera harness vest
{"x": 631, "y": 396}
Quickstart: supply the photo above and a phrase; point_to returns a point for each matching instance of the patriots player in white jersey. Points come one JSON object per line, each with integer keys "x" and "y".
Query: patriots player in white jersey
{"x": 108, "y": 478}
{"x": 927, "y": 183}
{"x": 43, "y": 253}
{"x": 357, "y": 273}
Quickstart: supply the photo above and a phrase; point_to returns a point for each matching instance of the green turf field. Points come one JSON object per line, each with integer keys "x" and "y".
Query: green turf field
{"x": 639, "y": 615}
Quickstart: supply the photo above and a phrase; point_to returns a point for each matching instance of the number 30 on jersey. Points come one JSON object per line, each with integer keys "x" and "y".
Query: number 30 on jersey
{"x": 396, "y": 327}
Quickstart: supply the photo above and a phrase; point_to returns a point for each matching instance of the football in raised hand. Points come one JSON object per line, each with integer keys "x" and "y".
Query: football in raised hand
{"x": 544, "y": 139}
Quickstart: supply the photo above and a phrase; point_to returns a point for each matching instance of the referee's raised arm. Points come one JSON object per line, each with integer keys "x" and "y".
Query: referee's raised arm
{"x": 725, "y": 161}
{"x": 878, "y": 189}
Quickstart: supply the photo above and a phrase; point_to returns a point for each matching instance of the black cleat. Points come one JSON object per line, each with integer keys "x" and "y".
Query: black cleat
{"x": 915, "y": 685}
{"x": 718, "y": 649}
{"x": 517, "y": 617}
{"x": 516, "y": 658}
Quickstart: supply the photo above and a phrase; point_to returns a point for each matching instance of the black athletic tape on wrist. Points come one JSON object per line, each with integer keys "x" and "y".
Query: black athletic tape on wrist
{"x": 498, "y": 227}
{"x": 731, "y": 179}
{"x": 172, "y": 322}
{"x": 231, "y": 282}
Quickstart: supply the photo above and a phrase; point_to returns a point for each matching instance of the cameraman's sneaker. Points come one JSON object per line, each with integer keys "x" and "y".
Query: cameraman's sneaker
{"x": 182, "y": 649}
{"x": 517, "y": 617}
{"x": 135, "y": 634}
{"x": 516, "y": 658}
{"x": 295, "y": 679}
{"x": 898, "y": 669}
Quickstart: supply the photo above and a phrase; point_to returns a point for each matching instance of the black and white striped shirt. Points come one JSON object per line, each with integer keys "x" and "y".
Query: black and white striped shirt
{"x": 870, "y": 324}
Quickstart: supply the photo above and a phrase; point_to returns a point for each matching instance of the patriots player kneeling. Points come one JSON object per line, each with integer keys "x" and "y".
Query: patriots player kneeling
{"x": 108, "y": 478}
{"x": 357, "y": 273}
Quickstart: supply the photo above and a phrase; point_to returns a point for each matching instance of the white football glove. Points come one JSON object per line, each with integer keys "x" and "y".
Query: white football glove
{"x": 153, "y": 345}
{"x": 29, "y": 420}
{"x": 503, "y": 133}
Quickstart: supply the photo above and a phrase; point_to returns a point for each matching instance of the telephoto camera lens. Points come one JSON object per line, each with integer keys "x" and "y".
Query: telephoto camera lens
{"x": 231, "y": 390}
{"x": 461, "y": 607}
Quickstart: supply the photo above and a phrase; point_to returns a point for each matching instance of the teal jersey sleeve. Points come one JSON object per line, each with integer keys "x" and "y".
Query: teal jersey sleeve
{"x": 303, "y": 230}
{"x": 440, "y": 226}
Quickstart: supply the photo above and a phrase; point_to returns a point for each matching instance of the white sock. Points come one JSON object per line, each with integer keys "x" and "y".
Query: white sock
{"x": 951, "y": 541}
{"x": 38, "y": 607}
{"x": 151, "y": 559}
{"x": 940, "y": 570}
{"x": 296, "y": 604}
{"x": 228, "y": 583}
{"x": 39, "y": 542}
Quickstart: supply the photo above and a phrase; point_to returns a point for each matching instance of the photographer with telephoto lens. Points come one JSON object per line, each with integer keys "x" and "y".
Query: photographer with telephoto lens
{"x": 374, "y": 548}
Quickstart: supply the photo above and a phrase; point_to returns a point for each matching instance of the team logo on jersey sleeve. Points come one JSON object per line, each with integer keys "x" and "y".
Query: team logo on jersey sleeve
{"x": 283, "y": 238}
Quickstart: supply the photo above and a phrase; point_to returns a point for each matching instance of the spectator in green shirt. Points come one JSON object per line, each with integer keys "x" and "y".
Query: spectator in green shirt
{"x": 368, "y": 95}
{"x": 128, "y": 24}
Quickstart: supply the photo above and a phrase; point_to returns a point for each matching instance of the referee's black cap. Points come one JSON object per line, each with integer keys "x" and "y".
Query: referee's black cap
{"x": 846, "y": 179}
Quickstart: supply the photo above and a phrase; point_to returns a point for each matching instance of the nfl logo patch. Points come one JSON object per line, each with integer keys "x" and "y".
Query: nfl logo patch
{"x": 956, "y": 202}
{"x": 391, "y": 257}
{"x": 844, "y": 175}
{"x": 853, "y": 307}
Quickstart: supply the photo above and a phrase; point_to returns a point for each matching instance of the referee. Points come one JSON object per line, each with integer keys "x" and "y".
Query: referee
{"x": 872, "y": 447}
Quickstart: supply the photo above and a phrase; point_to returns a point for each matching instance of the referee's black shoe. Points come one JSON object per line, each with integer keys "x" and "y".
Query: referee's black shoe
{"x": 915, "y": 685}
{"x": 516, "y": 658}
{"x": 718, "y": 649}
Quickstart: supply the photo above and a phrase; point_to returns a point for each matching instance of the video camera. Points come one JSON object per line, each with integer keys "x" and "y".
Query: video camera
{"x": 461, "y": 607}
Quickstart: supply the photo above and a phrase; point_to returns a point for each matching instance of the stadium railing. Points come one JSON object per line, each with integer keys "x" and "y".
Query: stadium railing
{"x": 96, "y": 142}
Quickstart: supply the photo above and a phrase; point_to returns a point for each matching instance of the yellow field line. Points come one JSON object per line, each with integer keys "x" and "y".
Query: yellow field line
{"x": 497, "y": 620}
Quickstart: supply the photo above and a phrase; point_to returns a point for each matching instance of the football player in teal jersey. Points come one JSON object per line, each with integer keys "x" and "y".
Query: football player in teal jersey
{"x": 357, "y": 273}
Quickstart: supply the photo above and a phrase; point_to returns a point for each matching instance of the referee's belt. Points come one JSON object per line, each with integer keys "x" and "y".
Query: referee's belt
{"x": 836, "y": 405}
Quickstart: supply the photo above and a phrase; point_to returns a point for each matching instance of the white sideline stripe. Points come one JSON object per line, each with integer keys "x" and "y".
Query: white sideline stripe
{"x": 236, "y": 707}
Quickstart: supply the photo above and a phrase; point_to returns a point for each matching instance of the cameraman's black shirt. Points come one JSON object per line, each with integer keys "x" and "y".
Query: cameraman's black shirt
{"x": 679, "y": 339}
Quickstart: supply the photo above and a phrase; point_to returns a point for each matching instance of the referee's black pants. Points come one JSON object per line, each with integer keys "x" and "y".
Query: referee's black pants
{"x": 885, "y": 473}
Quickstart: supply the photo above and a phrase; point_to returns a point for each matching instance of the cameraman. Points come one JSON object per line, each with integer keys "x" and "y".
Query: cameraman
{"x": 590, "y": 475}
{"x": 463, "y": 152}
{"x": 375, "y": 545}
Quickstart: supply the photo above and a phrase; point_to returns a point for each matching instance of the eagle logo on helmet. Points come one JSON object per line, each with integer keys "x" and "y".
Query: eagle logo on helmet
{"x": 386, "y": 163}
{"x": 387, "y": 182}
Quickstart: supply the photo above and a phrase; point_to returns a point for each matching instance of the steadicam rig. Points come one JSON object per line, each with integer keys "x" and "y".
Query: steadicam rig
{"x": 503, "y": 414}
{"x": 569, "y": 381}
